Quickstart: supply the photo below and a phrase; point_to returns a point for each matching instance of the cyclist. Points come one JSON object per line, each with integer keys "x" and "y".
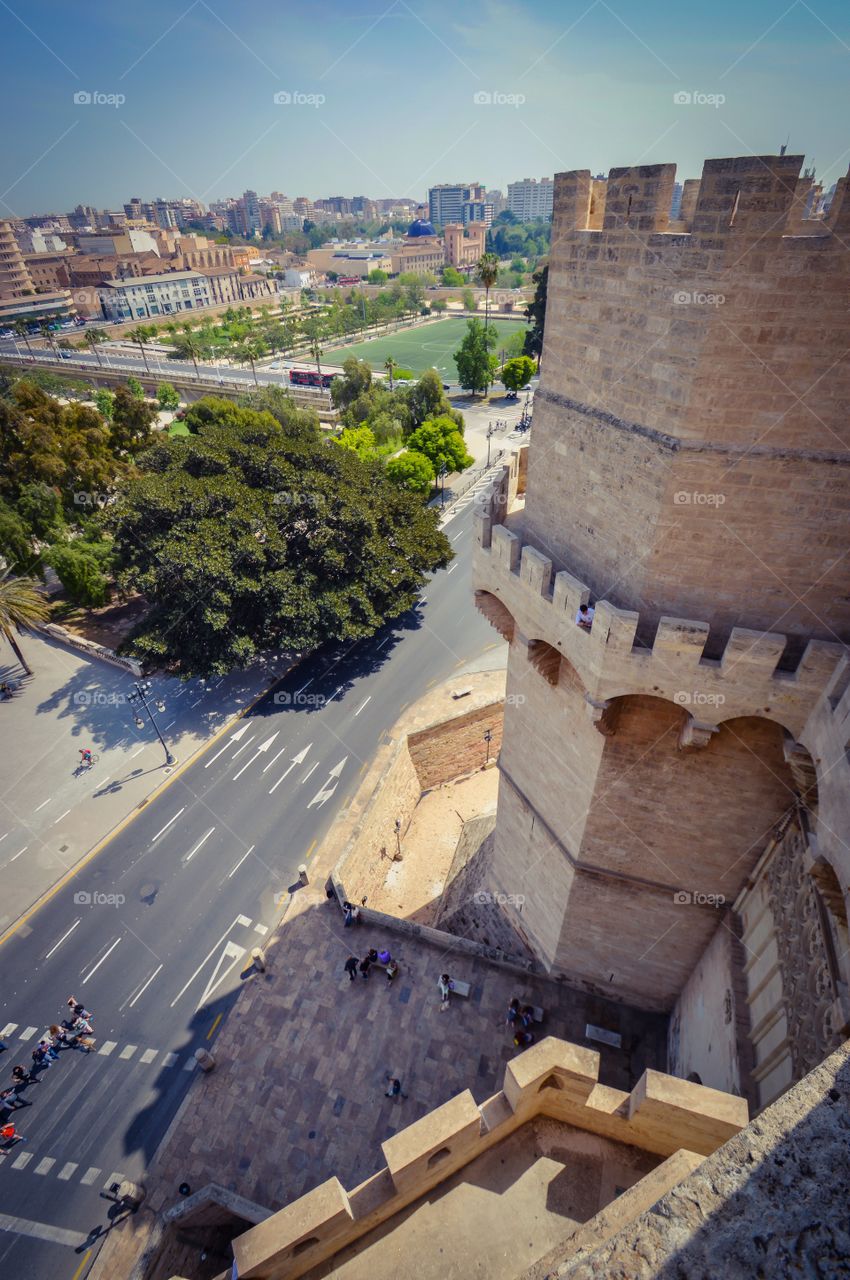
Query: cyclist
{"x": 85, "y": 755}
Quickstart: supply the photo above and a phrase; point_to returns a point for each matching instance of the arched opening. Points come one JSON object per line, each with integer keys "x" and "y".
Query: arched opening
{"x": 545, "y": 660}
{"x": 496, "y": 614}
{"x": 438, "y": 1157}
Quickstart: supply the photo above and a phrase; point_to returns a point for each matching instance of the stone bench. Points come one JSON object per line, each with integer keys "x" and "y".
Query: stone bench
{"x": 460, "y": 988}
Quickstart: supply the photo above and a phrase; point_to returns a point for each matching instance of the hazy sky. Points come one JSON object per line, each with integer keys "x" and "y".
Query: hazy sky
{"x": 388, "y": 98}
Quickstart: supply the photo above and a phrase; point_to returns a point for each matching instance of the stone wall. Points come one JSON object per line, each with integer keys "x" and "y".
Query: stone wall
{"x": 771, "y": 1202}
{"x": 456, "y": 747}
{"x": 552, "y": 1078}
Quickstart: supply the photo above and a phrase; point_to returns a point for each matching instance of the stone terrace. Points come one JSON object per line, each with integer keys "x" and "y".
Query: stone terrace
{"x": 298, "y": 1093}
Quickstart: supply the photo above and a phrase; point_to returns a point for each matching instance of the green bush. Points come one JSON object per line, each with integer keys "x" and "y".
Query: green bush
{"x": 80, "y": 575}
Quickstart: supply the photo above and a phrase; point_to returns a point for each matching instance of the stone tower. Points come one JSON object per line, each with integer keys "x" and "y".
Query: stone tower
{"x": 689, "y": 477}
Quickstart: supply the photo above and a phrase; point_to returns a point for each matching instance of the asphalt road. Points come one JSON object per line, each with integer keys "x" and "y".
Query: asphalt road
{"x": 187, "y": 889}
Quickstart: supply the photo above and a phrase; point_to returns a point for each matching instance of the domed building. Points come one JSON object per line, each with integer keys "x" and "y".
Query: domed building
{"x": 422, "y": 250}
{"x": 420, "y": 227}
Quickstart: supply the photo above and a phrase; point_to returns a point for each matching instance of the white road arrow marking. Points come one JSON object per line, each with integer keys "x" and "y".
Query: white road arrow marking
{"x": 234, "y": 954}
{"x": 322, "y": 796}
{"x": 299, "y": 759}
{"x": 240, "y": 733}
{"x": 273, "y": 759}
{"x": 234, "y": 737}
{"x": 264, "y": 747}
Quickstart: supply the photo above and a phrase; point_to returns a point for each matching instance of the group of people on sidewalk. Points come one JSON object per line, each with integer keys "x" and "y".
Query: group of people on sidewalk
{"x": 519, "y": 1019}
{"x": 75, "y": 1032}
{"x": 381, "y": 958}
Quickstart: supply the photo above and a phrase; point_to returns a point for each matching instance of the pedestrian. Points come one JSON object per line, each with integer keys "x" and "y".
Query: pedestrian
{"x": 513, "y": 1013}
{"x": 392, "y": 970}
{"x": 584, "y": 617}
{"x": 444, "y": 986}
{"x": 10, "y": 1100}
{"x": 78, "y": 1010}
{"x": 384, "y": 957}
{"x": 523, "y": 1039}
{"x": 40, "y": 1060}
{"x": 21, "y": 1076}
{"x": 59, "y": 1036}
{"x": 351, "y": 967}
{"x": 82, "y": 1030}
{"x": 365, "y": 966}
{"x": 526, "y": 1015}
{"x": 8, "y": 1133}
{"x": 394, "y": 1090}
{"x": 46, "y": 1043}
{"x": 352, "y": 914}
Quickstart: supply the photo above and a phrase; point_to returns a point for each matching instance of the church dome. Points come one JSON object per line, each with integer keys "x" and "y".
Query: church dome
{"x": 420, "y": 228}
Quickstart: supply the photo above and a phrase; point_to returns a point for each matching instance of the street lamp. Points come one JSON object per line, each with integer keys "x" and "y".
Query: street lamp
{"x": 140, "y": 698}
{"x": 488, "y": 738}
{"x": 398, "y": 838}
{"x": 490, "y": 431}
{"x": 442, "y": 477}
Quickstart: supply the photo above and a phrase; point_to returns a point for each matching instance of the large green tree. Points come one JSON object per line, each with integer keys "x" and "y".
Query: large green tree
{"x": 442, "y": 444}
{"x": 517, "y": 373}
{"x": 246, "y": 539}
{"x": 476, "y": 366}
{"x": 536, "y": 313}
{"x": 411, "y": 471}
{"x": 132, "y": 422}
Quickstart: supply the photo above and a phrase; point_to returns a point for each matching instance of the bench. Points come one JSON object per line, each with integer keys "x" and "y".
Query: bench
{"x": 460, "y": 988}
{"x": 603, "y": 1036}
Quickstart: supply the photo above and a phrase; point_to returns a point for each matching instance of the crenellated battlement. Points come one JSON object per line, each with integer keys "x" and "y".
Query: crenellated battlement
{"x": 736, "y": 197}
{"x": 609, "y": 661}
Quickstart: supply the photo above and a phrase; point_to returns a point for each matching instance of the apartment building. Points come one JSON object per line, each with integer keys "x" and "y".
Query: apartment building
{"x": 153, "y": 296}
{"x": 529, "y": 200}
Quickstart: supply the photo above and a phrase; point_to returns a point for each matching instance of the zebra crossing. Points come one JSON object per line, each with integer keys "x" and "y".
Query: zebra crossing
{"x": 466, "y": 499}
{"x": 64, "y": 1171}
{"x": 126, "y": 1053}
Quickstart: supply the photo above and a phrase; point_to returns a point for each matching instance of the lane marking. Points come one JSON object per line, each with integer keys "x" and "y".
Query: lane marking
{"x": 57, "y": 945}
{"x": 309, "y": 773}
{"x": 128, "y": 1051}
{"x": 245, "y": 744}
{"x": 111, "y": 1180}
{"x": 81, "y": 1268}
{"x": 28, "y": 1033}
{"x": 232, "y": 873}
{"x": 310, "y": 850}
{"x": 101, "y": 960}
{"x": 168, "y": 824}
{"x": 333, "y": 695}
{"x": 8, "y": 1029}
{"x": 244, "y": 920}
{"x": 206, "y": 959}
{"x": 277, "y": 757}
{"x": 145, "y": 987}
{"x": 18, "y": 854}
{"x": 44, "y": 1166}
{"x": 107, "y": 1047}
{"x": 67, "y": 1171}
{"x": 61, "y": 816}
{"x": 137, "y": 753}
{"x": 89, "y": 1176}
{"x": 43, "y": 803}
{"x": 169, "y": 1060}
{"x": 148, "y": 1055}
{"x": 211, "y": 1032}
{"x": 218, "y": 753}
{"x": 201, "y": 842}
{"x": 295, "y": 760}
{"x": 304, "y": 686}
{"x": 383, "y": 642}
{"x": 357, "y": 712}
{"x": 261, "y": 929}
{"x": 190, "y": 1064}
{"x": 451, "y": 570}
{"x": 22, "y": 1160}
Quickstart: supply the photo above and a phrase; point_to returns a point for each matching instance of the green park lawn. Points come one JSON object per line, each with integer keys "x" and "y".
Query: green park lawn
{"x": 430, "y": 346}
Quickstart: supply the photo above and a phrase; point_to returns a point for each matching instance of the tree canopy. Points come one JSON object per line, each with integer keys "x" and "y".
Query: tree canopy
{"x": 476, "y": 366}
{"x": 536, "y": 313}
{"x": 442, "y": 444}
{"x": 246, "y": 538}
{"x": 517, "y": 373}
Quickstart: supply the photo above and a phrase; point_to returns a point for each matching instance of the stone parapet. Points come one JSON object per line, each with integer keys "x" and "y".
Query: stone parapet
{"x": 661, "y": 1116}
{"x": 743, "y": 681}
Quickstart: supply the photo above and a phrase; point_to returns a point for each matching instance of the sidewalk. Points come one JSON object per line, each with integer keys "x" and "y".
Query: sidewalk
{"x": 52, "y": 812}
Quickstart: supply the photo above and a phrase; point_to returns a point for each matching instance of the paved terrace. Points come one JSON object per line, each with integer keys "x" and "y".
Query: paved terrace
{"x": 298, "y": 1092}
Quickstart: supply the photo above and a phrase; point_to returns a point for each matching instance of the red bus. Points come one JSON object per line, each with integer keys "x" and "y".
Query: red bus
{"x": 310, "y": 378}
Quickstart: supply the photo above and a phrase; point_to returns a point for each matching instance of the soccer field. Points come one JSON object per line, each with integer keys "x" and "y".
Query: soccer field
{"x": 430, "y": 346}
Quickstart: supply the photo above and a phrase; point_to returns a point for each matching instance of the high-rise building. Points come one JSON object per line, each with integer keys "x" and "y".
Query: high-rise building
{"x": 530, "y": 200}
{"x": 497, "y": 200}
{"x": 674, "y": 774}
{"x": 477, "y": 211}
{"x": 446, "y": 201}
{"x": 15, "y": 280}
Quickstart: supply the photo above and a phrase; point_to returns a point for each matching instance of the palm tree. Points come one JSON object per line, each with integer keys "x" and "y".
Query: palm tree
{"x": 93, "y": 339}
{"x": 190, "y": 345}
{"x": 487, "y": 270}
{"x": 141, "y": 337}
{"x": 390, "y": 365}
{"x": 251, "y": 350}
{"x": 22, "y": 331}
{"x": 48, "y": 335}
{"x": 20, "y": 606}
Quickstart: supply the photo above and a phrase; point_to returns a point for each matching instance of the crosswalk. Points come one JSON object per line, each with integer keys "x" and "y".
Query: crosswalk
{"x": 468, "y": 498}
{"x": 126, "y": 1053}
{"x": 64, "y": 1171}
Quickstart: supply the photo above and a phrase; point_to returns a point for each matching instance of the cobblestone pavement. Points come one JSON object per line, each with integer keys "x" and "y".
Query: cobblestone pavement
{"x": 298, "y": 1092}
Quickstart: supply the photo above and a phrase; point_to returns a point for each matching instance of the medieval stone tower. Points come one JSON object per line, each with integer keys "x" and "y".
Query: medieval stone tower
{"x": 689, "y": 477}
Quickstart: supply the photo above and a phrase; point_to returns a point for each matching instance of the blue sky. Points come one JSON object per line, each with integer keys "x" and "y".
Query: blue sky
{"x": 391, "y": 91}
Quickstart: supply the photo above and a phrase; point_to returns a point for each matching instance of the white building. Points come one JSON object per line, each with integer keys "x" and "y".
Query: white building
{"x": 300, "y": 277}
{"x": 40, "y": 241}
{"x": 145, "y": 297}
{"x": 530, "y": 199}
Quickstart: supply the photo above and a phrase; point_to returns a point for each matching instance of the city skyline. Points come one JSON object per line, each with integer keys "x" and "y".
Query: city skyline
{"x": 180, "y": 102}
